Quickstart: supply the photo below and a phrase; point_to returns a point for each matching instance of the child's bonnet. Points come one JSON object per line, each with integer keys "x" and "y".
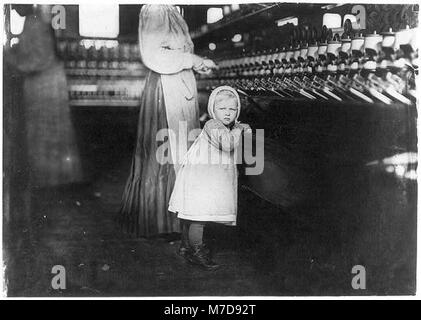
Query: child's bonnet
{"x": 198, "y": 147}
{"x": 212, "y": 98}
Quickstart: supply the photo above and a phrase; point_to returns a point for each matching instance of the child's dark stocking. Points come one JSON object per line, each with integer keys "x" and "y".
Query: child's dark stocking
{"x": 199, "y": 254}
{"x": 196, "y": 233}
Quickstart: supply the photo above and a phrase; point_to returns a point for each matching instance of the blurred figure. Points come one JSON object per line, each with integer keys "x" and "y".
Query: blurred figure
{"x": 169, "y": 101}
{"x": 52, "y": 155}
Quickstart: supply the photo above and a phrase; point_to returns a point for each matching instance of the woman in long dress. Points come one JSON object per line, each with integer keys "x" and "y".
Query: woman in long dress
{"x": 169, "y": 101}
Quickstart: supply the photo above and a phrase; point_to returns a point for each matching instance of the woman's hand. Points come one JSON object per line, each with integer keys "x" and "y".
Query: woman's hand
{"x": 203, "y": 66}
{"x": 209, "y": 64}
{"x": 243, "y": 126}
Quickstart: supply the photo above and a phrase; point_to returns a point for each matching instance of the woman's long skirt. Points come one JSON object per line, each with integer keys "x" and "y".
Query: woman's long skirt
{"x": 144, "y": 211}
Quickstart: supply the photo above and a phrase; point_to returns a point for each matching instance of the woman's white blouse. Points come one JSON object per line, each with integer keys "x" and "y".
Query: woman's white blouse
{"x": 164, "y": 40}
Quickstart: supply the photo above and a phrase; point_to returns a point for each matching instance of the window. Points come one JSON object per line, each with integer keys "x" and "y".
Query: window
{"x": 16, "y": 22}
{"x": 237, "y": 38}
{"x": 99, "y": 20}
{"x": 214, "y": 15}
{"x": 332, "y": 20}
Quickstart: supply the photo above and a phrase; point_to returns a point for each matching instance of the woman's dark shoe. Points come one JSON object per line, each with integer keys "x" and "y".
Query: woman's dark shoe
{"x": 200, "y": 256}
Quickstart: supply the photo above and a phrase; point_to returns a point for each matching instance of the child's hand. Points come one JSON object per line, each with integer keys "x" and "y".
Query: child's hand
{"x": 245, "y": 127}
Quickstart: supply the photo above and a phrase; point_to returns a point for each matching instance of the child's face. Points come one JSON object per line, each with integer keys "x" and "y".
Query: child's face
{"x": 225, "y": 109}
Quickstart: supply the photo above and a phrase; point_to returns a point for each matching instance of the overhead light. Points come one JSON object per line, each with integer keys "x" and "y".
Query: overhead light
{"x": 284, "y": 21}
{"x": 212, "y": 46}
{"x": 237, "y": 38}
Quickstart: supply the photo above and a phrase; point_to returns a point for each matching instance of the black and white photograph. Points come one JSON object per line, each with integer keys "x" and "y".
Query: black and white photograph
{"x": 209, "y": 149}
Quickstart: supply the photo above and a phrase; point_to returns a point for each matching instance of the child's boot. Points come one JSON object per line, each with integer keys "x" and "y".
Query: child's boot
{"x": 200, "y": 256}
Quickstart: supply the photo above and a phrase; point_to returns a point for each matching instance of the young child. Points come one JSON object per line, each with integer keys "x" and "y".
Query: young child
{"x": 205, "y": 189}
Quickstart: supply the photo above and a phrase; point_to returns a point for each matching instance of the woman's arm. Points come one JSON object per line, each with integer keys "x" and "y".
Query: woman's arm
{"x": 158, "y": 47}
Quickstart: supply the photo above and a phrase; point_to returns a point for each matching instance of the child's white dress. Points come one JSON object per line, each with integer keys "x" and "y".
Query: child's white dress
{"x": 206, "y": 184}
